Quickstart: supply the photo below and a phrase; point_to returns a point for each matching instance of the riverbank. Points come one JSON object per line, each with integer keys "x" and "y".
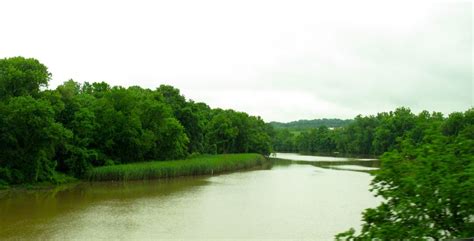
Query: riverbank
{"x": 196, "y": 166}
{"x": 294, "y": 202}
{"x": 59, "y": 179}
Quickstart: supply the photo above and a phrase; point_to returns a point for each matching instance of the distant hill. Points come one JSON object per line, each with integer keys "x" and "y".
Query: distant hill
{"x": 308, "y": 124}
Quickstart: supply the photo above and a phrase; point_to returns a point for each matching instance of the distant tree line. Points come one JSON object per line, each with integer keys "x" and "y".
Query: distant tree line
{"x": 78, "y": 126}
{"x": 301, "y": 125}
{"x": 365, "y": 135}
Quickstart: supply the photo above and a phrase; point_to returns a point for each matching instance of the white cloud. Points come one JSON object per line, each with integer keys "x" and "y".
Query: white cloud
{"x": 283, "y": 60}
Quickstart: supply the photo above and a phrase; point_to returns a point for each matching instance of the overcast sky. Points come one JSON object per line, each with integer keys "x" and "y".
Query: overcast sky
{"x": 284, "y": 61}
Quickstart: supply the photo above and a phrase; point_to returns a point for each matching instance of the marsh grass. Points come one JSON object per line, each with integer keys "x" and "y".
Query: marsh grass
{"x": 198, "y": 165}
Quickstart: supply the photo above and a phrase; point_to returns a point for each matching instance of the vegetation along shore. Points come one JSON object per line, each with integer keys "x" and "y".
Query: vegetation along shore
{"x": 195, "y": 166}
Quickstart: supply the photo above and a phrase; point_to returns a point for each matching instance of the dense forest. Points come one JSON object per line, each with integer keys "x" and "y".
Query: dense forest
{"x": 301, "y": 125}
{"x": 364, "y": 136}
{"x": 75, "y": 127}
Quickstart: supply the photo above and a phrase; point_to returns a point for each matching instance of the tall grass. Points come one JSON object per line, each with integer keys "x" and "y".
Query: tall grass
{"x": 199, "y": 165}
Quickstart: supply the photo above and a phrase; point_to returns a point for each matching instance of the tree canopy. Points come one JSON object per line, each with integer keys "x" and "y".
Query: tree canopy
{"x": 77, "y": 126}
{"x": 301, "y": 125}
{"x": 364, "y": 136}
{"x": 20, "y": 76}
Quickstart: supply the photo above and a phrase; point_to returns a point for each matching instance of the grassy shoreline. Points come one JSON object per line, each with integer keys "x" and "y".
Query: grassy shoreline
{"x": 60, "y": 179}
{"x": 196, "y": 166}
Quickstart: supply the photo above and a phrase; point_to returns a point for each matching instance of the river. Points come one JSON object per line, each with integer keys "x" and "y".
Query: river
{"x": 286, "y": 202}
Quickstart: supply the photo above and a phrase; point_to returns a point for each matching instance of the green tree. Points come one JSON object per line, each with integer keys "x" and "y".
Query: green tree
{"x": 358, "y": 136}
{"x": 188, "y": 114}
{"x": 172, "y": 141}
{"x": 95, "y": 124}
{"x": 284, "y": 141}
{"x": 427, "y": 189}
{"x": 78, "y": 154}
{"x": 392, "y": 126}
{"x": 221, "y": 134}
{"x": 29, "y": 136}
{"x": 20, "y": 76}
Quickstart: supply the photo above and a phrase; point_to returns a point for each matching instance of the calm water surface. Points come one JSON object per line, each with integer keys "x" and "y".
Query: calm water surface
{"x": 298, "y": 157}
{"x": 290, "y": 202}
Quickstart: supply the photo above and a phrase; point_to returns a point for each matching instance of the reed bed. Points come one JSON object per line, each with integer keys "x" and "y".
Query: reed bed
{"x": 199, "y": 165}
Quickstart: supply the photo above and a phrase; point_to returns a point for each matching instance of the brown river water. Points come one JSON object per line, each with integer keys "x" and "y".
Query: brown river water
{"x": 286, "y": 202}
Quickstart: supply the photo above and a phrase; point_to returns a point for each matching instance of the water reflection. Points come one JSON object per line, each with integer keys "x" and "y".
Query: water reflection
{"x": 339, "y": 163}
{"x": 28, "y": 210}
{"x": 299, "y": 157}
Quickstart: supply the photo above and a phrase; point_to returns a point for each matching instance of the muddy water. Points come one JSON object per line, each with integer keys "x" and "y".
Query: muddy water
{"x": 290, "y": 202}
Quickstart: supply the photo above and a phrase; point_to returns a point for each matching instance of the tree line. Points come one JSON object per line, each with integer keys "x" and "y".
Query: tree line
{"x": 364, "y": 136}
{"x": 77, "y": 126}
{"x": 301, "y": 125}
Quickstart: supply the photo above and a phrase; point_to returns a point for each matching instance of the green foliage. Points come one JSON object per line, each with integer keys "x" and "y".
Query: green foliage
{"x": 284, "y": 141}
{"x": 20, "y": 76}
{"x": 28, "y": 141}
{"x": 426, "y": 177}
{"x": 221, "y": 133}
{"x": 236, "y": 132}
{"x": 347, "y": 235}
{"x": 427, "y": 185}
{"x": 173, "y": 143}
{"x": 77, "y": 127}
{"x": 363, "y": 136}
{"x": 303, "y": 125}
{"x": 319, "y": 140}
{"x": 199, "y": 165}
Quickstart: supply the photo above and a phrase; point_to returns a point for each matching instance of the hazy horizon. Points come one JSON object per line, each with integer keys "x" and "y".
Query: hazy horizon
{"x": 281, "y": 60}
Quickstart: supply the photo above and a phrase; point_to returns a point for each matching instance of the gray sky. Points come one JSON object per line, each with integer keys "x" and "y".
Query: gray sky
{"x": 282, "y": 60}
